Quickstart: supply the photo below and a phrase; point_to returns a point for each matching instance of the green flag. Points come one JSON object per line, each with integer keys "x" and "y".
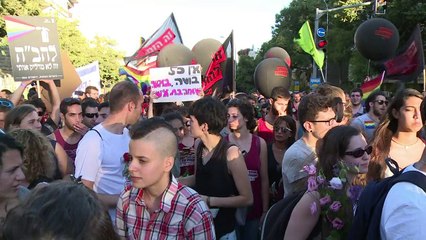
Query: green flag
{"x": 306, "y": 42}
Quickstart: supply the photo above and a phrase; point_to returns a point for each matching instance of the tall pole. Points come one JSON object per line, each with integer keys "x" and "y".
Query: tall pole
{"x": 318, "y": 14}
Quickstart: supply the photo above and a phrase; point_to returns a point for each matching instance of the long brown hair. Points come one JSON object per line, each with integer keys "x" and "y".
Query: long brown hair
{"x": 15, "y": 116}
{"x": 384, "y": 132}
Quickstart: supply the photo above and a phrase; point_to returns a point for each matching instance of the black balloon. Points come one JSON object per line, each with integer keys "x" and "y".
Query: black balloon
{"x": 277, "y": 52}
{"x": 270, "y": 73}
{"x": 204, "y": 51}
{"x": 175, "y": 55}
{"x": 377, "y": 39}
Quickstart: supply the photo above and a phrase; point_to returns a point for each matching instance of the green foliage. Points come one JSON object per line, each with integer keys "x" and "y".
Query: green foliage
{"x": 405, "y": 14}
{"x": 342, "y": 25}
{"x": 245, "y": 71}
{"x": 73, "y": 42}
{"x": 80, "y": 50}
{"x": 83, "y": 52}
{"x": 17, "y": 8}
{"x": 109, "y": 59}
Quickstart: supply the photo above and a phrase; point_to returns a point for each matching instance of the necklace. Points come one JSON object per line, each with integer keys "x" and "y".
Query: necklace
{"x": 277, "y": 148}
{"x": 405, "y": 146}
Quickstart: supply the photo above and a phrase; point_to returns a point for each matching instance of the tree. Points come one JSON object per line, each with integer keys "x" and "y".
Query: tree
{"x": 245, "y": 71}
{"x": 109, "y": 59}
{"x": 17, "y": 8}
{"x": 81, "y": 51}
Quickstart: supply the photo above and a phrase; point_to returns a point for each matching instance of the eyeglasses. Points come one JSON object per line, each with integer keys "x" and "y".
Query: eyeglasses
{"x": 91, "y": 115}
{"x": 6, "y": 103}
{"x": 330, "y": 121}
{"x": 283, "y": 129}
{"x": 360, "y": 152}
{"x": 380, "y": 102}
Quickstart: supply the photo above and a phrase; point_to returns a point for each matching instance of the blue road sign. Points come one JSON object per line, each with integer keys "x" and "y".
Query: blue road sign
{"x": 314, "y": 82}
{"x": 321, "y": 32}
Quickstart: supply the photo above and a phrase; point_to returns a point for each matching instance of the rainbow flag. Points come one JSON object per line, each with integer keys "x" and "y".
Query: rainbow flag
{"x": 137, "y": 76}
{"x": 369, "y": 124}
{"x": 372, "y": 85}
{"x": 138, "y": 65}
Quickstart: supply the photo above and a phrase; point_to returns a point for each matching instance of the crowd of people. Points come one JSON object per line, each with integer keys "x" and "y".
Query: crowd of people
{"x": 126, "y": 167}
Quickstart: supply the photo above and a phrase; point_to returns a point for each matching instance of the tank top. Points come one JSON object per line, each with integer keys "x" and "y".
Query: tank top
{"x": 70, "y": 149}
{"x": 274, "y": 175}
{"x": 187, "y": 160}
{"x": 252, "y": 159}
{"x": 264, "y": 132}
{"x": 213, "y": 179}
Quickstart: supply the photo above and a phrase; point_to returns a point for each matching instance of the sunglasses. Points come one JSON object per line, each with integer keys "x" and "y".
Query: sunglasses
{"x": 283, "y": 129}
{"x": 360, "y": 152}
{"x": 91, "y": 115}
{"x": 6, "y": 103}
{"x": 381, "y": 102}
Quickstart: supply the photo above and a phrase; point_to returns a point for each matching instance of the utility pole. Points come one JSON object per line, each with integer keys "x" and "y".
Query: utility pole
{"x": 318, "y": 14}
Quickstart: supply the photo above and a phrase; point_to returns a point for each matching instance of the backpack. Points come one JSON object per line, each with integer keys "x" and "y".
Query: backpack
{"x": 366, "y": 222}
{"x": 278, "y": 216}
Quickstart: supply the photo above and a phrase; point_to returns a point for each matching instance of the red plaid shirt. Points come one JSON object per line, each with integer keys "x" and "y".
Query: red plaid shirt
{"x": 182, "y": 215}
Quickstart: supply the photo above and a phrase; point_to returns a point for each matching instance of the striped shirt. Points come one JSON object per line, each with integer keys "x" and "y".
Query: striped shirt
{"x": 182, "y": 215}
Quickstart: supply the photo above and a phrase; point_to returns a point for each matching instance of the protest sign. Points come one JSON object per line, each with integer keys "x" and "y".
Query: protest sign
{"x": 173, "y": 84}
{"x": 34, "y": 48}
{"x": 89, "y": 75}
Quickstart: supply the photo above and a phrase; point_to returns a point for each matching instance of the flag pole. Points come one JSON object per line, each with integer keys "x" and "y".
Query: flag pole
{"x": 38, "y": 89}
{"x": 322, "y": 74}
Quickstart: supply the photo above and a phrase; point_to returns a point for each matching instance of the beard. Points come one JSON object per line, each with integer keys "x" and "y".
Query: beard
{"x": 69, "y": 125}
{"x": 377, "y": 113}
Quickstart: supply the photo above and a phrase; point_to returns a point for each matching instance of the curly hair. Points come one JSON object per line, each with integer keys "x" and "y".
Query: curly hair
{"x": 38, "y": 154}
{"x": 60, "y": 210}
{"x": 246, "y": 109}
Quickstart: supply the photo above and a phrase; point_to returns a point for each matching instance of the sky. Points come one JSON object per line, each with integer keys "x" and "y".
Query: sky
{"x": 127, "y": 20}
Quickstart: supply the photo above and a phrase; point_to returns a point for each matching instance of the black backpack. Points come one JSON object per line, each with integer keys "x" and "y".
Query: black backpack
{"x": 366, "y": 222}
{"x": 278, "y": 216}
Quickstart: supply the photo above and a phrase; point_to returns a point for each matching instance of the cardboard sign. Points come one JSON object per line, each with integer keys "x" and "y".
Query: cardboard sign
{"x": 174, "y": 84}
{"x": 90, "y": 76}
{"x": 34, "y": 48}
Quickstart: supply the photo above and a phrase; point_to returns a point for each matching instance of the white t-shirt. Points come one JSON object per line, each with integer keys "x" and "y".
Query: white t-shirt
{"x": 404, "y": 211}
{"x": 295, "y": 158}
{"x": 100, "y": 160}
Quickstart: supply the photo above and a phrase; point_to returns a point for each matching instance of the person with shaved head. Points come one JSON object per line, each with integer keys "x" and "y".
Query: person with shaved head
{"x": 156, "y": 206}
